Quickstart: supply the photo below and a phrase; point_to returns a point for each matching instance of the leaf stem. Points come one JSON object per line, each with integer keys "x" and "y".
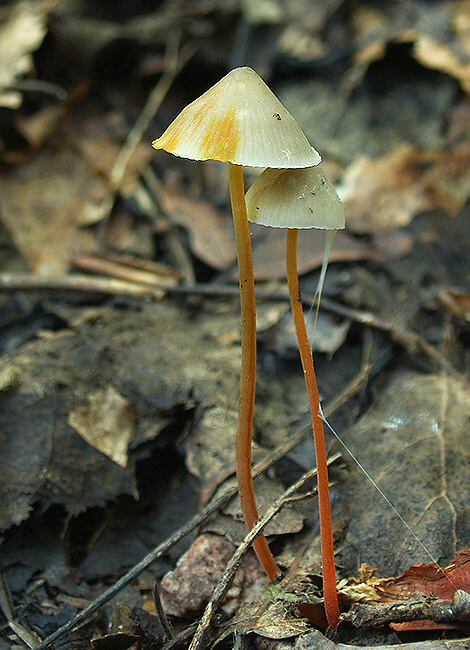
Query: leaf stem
{"x": 248, "y": 368}
{"x": 330, "y": 594}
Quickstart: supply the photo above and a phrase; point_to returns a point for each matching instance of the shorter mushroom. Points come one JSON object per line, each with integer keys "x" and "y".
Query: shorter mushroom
{"x": 293, "y": 199}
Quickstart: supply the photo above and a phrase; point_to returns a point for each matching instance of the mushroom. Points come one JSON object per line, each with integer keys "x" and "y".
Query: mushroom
{"x": 240, "y": 121}
{"x": 293, "y": 199}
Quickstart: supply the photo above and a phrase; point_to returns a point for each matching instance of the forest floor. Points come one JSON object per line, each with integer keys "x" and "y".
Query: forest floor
{"x": 120, "y": 330}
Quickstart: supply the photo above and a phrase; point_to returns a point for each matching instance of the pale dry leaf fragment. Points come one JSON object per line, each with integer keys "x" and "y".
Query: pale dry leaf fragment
{"x": 22, "y": 30}
{"x": 456, "y": 301}
{"x": 300, "y": 43}
{"x": 280, "y": 622}
{"x": 370, "y": 28}
{"x": 329, "y": 334}
{"x": 461, "y": 24}
{"x": 10, "y": 377}
{"x": 263, "y": 11}
{"x": 107, "y": 423}
{"x": 381, "y": 194}
{"x": 437, "y": 55}
{"x": 303, "y": 30}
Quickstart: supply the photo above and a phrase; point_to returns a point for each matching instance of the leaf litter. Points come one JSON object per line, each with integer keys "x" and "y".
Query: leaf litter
{"x": 414, "y": 444}
{"x": 170, "y": 399}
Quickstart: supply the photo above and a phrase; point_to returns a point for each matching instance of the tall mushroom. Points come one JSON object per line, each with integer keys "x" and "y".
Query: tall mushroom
{"x": 305, "y": 198}
{"x": 240, "y": 121}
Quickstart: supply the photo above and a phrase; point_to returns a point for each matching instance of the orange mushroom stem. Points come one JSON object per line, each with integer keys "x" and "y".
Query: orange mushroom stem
{"x": 248, "y": 368}
{"x": 330, "y": 594}
{"x": 292, "y": 199}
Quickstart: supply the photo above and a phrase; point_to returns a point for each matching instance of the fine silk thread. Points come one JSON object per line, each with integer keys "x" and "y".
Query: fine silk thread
{"x": 384, "y": 497}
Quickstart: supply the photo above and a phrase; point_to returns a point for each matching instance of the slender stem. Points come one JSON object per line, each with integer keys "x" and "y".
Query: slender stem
{"x": 326, "y": 527}
{"x": 248, "y": 369}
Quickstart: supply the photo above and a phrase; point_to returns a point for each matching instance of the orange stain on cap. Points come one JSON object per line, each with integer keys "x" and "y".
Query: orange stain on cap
{"x": 202, "y": 135}
{"x": 168, "y": 142}
{"x": 221, "y": 137}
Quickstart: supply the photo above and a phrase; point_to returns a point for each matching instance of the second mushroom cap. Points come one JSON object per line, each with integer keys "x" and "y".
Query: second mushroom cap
{"x": 295, "y": 198}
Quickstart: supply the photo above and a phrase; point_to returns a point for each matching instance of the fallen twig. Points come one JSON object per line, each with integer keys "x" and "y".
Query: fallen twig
{"x": 198, "y": 519}
{"x": 26, "y": 635}
{"x": 407, "y": 339}
{"x": 11, "y": 282}
{"x": 411, "y": 341}
{"x": 417, "y": 608}
{"x": 157, "y": 552}
{"x": 173, "y": 63}
{"x": 204, "y": 627}
{"x": 355, "y": 385}
{"x": 125, "y": 269}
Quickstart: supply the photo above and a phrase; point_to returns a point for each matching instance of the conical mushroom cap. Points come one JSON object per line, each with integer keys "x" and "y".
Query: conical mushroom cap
{"x": 295, "y": 198}
{"x": 239, "y": 120}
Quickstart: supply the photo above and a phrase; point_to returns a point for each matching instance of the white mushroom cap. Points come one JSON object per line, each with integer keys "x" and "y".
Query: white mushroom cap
{"x": 295, "y": 198}
{"x": 239, "y": 120}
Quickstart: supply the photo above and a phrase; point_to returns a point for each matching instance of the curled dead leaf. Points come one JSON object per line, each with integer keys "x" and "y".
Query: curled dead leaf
{"x": 385, "y": 193}
{"x": 22, "y": 30}
{"x": 457, "y": 302}
{"x": 107, "y": 423}
{"x": 211, "y": 240}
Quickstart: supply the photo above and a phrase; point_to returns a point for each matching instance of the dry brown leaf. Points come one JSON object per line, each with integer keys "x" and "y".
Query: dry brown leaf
{"x": 456, "y": 301}
{"x": 437, "y": 55}
{"x": 37, "y": 128}
{"x": 22, "y": 30}
{"x": 107, "y": 423}
{"x": 269, "y": 251}
{"x": 440, "y": 37}
{"x": 428, "y": 579}
{"x": 211, "y": 240}
{"x": 45, "y": 202}
{"x": 370, "y": 27}
{"x": 414, "y": 443}
{"x": 40, "y": 203}
{"x": 385, "y": 193}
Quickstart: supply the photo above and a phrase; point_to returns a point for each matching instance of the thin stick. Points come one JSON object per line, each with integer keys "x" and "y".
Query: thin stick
{"x": 136, "y": 570}
{"x": 12, "y": 282}
{"x": 326, "y": 527}
{"x": 197, "y": 520}
{"x": 411, "y": 341}
{"x": 173, "y": 63}
{"x": 224, "y": 583}
{"x": 248, "y": 369}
